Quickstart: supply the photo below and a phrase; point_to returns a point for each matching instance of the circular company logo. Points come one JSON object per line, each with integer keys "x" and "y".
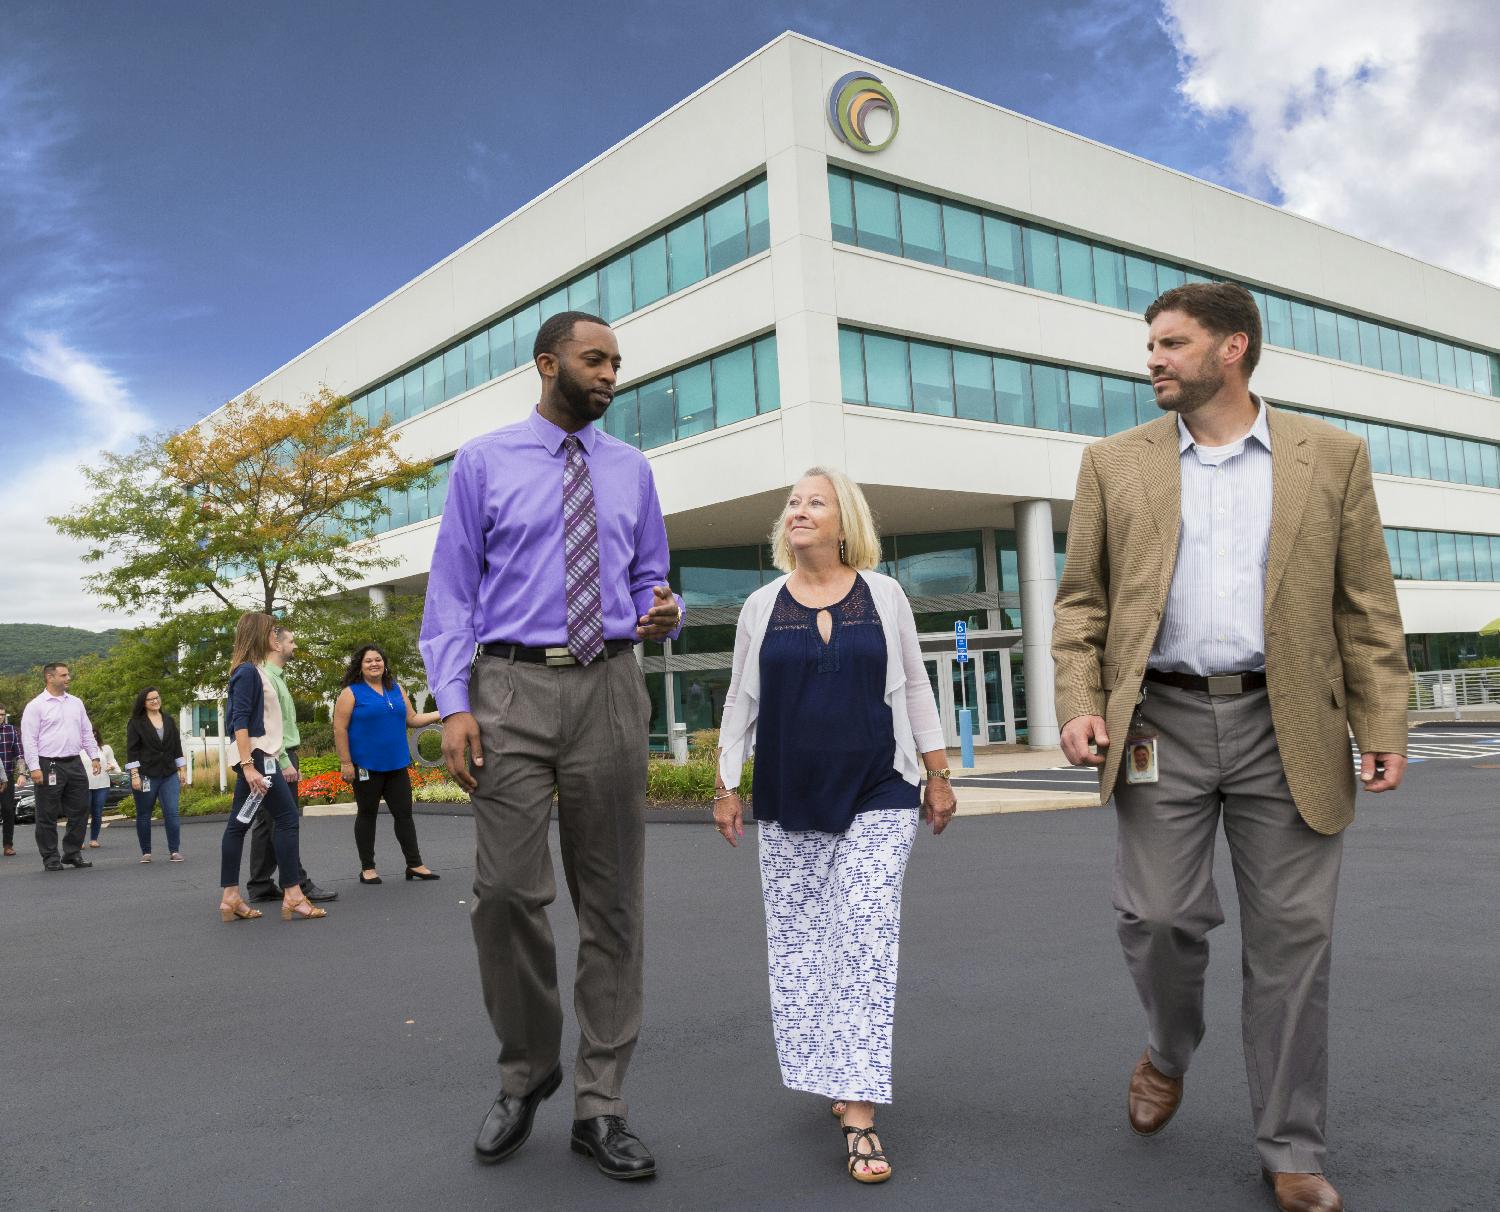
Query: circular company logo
{"x": 851, "y": 101}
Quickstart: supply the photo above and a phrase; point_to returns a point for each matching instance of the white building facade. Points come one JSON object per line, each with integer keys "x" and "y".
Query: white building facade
{"x": 944, "y": 299}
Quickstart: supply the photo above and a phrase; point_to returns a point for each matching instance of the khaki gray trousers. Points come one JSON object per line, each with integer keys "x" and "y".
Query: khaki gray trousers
{"x": 1217, "y": 755}
{"x": 582, "y": 729}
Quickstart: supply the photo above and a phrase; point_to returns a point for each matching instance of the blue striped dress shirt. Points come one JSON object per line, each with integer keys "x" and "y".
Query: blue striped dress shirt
{"x": 1214, "y": 617}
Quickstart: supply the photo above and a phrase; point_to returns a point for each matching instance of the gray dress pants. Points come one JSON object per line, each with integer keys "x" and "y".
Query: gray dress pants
{"x": 1218, "y": 755}
{"x": 583, "y": 730}
{"x": 68, "y": 796}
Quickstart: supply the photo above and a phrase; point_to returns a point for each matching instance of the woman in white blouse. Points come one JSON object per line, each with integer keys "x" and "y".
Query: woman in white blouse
{"x": 830, "y": 692}
{"x": 99, "y": 787}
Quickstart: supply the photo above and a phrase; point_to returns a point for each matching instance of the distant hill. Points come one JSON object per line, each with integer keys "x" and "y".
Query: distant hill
{"x": 26, "y": 645}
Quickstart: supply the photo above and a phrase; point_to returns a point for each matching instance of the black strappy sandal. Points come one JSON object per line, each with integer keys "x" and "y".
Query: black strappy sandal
{"x": 853, "y": 1136}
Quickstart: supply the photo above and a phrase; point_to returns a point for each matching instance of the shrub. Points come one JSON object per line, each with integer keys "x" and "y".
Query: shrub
{"x": 317, "y": 739}
{"x": 704, "y": 743}
{"x": 319, "y": 764}
{"x": 693, "y": 783}
{"x": 440, "y": 792}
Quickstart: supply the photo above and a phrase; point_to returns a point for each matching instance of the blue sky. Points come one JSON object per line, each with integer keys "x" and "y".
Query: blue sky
{"x": 192, "y": 194}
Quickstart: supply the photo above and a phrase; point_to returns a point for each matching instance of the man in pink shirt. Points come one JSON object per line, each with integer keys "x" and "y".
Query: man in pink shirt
{"x": 55, "y": 730}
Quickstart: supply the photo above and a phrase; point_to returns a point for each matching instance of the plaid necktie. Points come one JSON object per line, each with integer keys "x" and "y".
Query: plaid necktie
{"x": 581, "y": 557}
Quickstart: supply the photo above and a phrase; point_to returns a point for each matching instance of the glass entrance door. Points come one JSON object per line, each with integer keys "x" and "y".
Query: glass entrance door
{"x": 951, "y": 684}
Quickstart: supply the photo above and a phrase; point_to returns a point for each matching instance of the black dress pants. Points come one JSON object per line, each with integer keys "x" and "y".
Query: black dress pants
{"x": 263, "y": 846}
{"x": 8, "y": 811}
{"x": 393, "y": 786}
{"x": 63, "y": 791}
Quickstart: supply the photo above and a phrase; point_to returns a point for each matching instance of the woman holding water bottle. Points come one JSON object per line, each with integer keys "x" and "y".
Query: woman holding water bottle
{"x": 253, "y": 720}
{"x": 370, "y": 719}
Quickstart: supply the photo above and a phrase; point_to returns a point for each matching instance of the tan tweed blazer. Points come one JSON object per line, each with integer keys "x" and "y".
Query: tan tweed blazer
{"x": 1335, "y": 654}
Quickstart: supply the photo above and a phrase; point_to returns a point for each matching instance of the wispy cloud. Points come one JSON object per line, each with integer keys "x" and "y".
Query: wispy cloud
{"x": 1379, "y": 117}
{"x": 58, "y": 280}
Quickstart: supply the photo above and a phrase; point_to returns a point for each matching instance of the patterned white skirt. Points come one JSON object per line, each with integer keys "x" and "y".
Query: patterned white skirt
{"x": 833, "y": 933}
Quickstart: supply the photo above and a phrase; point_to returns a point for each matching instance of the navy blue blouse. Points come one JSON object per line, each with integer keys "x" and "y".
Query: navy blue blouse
{"x": 825, "y": 746}
{"x": 247, "y": 701}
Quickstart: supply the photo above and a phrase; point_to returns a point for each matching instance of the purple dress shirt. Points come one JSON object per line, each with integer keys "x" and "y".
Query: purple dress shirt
{"x": 497, "y": 570}
{"x": 56, "y": 726}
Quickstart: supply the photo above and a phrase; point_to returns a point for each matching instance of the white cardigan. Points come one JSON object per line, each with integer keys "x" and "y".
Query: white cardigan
{"x": 908, "y": 694}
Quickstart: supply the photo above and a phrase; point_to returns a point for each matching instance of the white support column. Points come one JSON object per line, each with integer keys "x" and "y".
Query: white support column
{"x": 379, "y": 601}
{"x": 1037, "y": 561}
{"x": 223, "y": 760}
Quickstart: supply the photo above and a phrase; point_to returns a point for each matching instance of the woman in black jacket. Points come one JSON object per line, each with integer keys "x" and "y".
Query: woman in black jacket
{"x": 153, "y": 755}
{"x": 253, "y": 720}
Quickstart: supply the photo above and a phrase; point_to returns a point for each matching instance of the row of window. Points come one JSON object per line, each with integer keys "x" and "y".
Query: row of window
{"x": 416, "y": 504}
{"x": 732, "y": 386}
{"x": 921, "y": 227}
{"x": 727, "y": 231}
{"x": 1437, "y": 555}
{"x": 1400, "y": 451}
{"x": 919, "y": 376}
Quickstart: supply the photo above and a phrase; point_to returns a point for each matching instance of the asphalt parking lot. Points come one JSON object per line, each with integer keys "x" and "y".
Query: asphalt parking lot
{"x": 156, "y": 1058}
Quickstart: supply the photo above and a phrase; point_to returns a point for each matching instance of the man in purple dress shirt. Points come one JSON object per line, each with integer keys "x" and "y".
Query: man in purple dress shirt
{"x": 552, "y": 562}
{"x": 55, "y": 730}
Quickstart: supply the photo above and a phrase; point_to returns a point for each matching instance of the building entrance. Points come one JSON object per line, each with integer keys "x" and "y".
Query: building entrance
{"x": 985, "y": 680}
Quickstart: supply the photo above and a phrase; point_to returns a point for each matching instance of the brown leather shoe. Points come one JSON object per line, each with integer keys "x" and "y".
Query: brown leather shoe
{"x": 1303, "y": 1192}
{"x": 1153, "y": 1099}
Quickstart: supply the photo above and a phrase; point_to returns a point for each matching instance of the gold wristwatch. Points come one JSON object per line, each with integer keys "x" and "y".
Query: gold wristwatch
{"x": 944, "y": 773}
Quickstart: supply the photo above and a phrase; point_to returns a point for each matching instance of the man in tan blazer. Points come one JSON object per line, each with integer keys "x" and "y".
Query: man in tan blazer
{"x": 1227, "y": 601}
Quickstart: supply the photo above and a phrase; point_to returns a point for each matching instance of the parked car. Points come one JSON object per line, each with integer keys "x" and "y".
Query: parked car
{"x": 119, "y": 789}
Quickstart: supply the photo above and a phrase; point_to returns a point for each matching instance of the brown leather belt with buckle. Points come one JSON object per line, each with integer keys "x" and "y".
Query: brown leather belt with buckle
{"x": 550, "y": 656}
{"x": 1222, "y": 683}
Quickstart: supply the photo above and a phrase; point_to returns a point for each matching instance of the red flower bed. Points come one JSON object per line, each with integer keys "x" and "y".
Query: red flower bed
{"x": 331, "y": 788}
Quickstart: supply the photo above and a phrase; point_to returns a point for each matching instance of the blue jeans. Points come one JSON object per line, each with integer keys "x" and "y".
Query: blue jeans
{"x": 168, "y": 791}
{"x": 97, "y": 797}
{"x": 283, "y": 810}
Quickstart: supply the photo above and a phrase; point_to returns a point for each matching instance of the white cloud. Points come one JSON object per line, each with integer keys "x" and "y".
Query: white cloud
{"x": 1377, "y": 117}
{"x": 98, "y": 392}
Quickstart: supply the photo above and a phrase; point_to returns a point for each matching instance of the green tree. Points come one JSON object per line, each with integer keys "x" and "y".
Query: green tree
{"x": 263, "y": 506}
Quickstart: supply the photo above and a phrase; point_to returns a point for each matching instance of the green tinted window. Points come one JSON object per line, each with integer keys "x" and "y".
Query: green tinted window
{"x": 886, "y": 378}
{"x": 477, "y": 357}
{"x": 657, "y": 413}
{"x": 1049, "y": 386}
{"x": 726, "y": 233}
{"x": 973, "y": 382}
{"x": 851, "y": 366}
{"x": 432, "y": 383}
{"x": 1328, "y": 333}
{"x": 963, "y": 238}
{"x": 1119, "y": 404}
{"x": 1168, "y": 276}
{"x": 455, "y": 377}
{"x": 1304, "y": 327}
{"x": 687, "y": 260}
{"x": 841, "y": 206}
{"x": 921, "y": 228}
{"x": 1085, "y": 403}
{"x": 583, "y": 293}
{"x": 1390, "y": 349}
{"x": 694, "y": 399}
{"x": 1013, "y": 392}
{"x": 1041, "y": 260}
{"x": 1109, "y": 277}
{"x": 767, "y": 375}
{"x": 614, "y": 289}
{"x": 931, "y": 378}
{"x": 1077, "y": 260}
{"x": 1140, "y": 283}
{"x": 876, "y": 216}
{"x": 758, "y": 217}
{"x": 648, "y": 272}
{"x": 623, "y": 419}
{"x": 734, "y": 386}
{"x": 1004, "y": 258}
{"x": 1278, "y": 321}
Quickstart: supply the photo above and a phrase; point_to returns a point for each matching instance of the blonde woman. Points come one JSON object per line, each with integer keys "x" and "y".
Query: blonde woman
{"x": 253, "y": 720}
{"x": 830, "y": 692}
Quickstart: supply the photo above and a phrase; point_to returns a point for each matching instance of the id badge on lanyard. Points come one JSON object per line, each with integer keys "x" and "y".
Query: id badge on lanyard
{"x": 1141, "y": 750}
{"x": 269, "y": 765}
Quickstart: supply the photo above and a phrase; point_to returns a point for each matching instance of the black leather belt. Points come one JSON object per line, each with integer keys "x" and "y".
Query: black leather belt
{"x": 1222, "y": 683}
{"x": 550, "y": 656}
{"x": 72, "y": 757}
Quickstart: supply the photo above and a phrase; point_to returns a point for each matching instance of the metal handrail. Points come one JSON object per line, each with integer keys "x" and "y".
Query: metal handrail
{"x": 1453, "y": 690}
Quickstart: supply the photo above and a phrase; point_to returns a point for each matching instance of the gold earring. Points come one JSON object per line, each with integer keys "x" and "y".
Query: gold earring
{"x": 843, "y": 553}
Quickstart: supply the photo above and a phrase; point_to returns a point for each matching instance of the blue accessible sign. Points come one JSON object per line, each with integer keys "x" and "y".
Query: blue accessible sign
{"x": 961, "y": 639}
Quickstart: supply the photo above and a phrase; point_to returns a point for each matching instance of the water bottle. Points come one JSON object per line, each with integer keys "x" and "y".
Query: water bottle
{"x": 250, "y": 807}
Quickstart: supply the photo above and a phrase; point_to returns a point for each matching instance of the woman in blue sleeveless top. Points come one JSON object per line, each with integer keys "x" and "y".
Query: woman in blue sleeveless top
{"x": 370, "y": 719}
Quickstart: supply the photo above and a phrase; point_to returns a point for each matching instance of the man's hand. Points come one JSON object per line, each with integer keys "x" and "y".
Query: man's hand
{"x": 661, "y": 620}
{"x": 36, "y": 778}
{"x": 1389, "y": 779}
{"x": 290, "y": 773}
{"x": 97, "y": 766}
{"x": 461, "y": 744}
{"x": 1077, "y": 734}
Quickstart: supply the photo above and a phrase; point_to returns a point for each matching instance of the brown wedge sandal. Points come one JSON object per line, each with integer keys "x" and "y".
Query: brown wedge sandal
{"x": 854, "y": 1136}
{"x": 303, "y": 908}
{"x": 232, "y": 911}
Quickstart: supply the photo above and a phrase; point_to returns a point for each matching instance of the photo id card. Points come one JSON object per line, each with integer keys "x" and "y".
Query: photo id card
{"x": 145, "y": 784}
{"x": 52, "y": 778}
{"x": 1140, "y": 759}
{"x": 270, "y": 766}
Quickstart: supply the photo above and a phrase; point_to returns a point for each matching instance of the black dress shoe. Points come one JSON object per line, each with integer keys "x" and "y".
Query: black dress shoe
{"x": 508, "y": 1123}
{"x": 314, "y": 893}
{"x": 77, "y": 861}
{"x": 52, "y": 865}
{"x": 273, "y": 893}
{"x": 616, "y": 1150}
{"x": 422, "y": 875}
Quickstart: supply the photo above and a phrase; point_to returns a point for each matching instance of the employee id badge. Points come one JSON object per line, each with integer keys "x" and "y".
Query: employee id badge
{"x": 52, "y": 778}
{"x": 1141, "y": 748}
{"x": 145, "y": 784}
{"x": 362, "y": 774}
{"x": 269, "y": 765}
